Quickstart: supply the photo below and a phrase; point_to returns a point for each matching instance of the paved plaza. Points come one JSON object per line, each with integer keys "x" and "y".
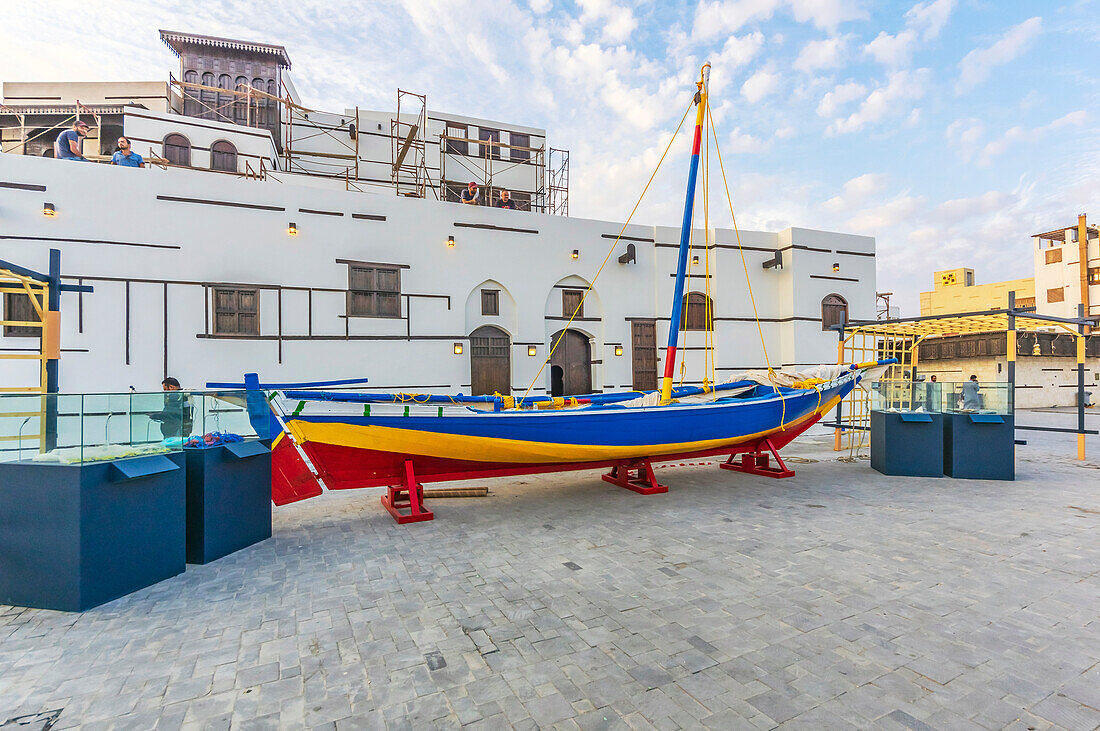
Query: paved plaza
{"x": 839, "y": 598}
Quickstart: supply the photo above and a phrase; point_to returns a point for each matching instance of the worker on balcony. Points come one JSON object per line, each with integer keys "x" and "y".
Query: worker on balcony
{"x": 70, "y": 143}
{"x": 471, "y": 196}
{"x": 506, "y": 201}
{"x": 126, "y": 157}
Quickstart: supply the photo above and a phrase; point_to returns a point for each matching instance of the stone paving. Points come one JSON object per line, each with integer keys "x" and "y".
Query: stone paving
{"x": 839, "y": 598}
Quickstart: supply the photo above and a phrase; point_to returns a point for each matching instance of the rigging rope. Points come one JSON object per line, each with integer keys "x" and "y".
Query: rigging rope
{"x": 610, "y": 251}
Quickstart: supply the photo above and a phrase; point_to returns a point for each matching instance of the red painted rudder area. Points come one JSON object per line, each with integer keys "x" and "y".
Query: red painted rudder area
{"x": 291, "y": 478}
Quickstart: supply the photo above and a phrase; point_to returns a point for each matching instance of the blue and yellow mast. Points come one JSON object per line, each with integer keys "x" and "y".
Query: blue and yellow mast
{"x": 685, "y": 236}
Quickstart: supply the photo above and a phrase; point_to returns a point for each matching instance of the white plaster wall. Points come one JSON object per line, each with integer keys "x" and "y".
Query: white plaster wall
{"x": 147, "y": 130}
{"x": 110, "y": 225}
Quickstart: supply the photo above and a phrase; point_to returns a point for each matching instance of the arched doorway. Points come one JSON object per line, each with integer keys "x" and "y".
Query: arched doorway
{"x": 490, "y": 361}
{"x": 571, "y": 364}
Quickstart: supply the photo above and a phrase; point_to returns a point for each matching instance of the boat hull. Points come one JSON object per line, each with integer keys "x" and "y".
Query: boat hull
{"x": 369, "y": 451}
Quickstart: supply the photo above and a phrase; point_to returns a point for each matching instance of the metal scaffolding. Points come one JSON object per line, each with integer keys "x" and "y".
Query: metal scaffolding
{"x": 409, "y": 166}
{"x": 558, "y": 203}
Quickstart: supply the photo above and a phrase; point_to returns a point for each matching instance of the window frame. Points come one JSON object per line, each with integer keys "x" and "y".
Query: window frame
{"x": 358, "y": 296}
{"x": 697, "y": 315}
{"x": 519, "y": 155}
{"x": 457, "y": 147}
{"x": 20, "y": 331}
{"x": 566, "y": 310}
{"x": 236, "y": 311}
{"x": 214, "y": 152}
{"x": 842, "y": 304}
{"x": 493, "y": 137}
{"x": 165, "y": 144}
{"x": 490, "y": 302}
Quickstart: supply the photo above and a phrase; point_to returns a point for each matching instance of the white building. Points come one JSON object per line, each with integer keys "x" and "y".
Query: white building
{"x": 264, "y": 259}
{"x": 1067, "y": 270}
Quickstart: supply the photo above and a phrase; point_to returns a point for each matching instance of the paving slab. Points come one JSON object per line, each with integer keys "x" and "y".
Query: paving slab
{"x": 840, "y": 597}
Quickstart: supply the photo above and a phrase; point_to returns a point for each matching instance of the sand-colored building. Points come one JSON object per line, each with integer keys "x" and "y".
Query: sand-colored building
{"x": 955, "y": 291}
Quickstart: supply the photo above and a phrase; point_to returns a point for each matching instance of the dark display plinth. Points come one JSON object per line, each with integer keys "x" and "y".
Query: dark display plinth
{"x": 228, "y": 499}
{"x": 979, "y": 446}
{"x": 907, "y": 444}
{"x": 75, "y": 536}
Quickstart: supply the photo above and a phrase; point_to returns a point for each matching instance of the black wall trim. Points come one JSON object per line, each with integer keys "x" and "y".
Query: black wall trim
{"x": 626, "y": 238}
{"x": 320, "y": 213}
{"x": 575, "y": 319}
{"x": 733, "y": 247}
{"x": 23, "y": 186}
{"x": 742, "y": 319}
{"x": 838, "y": 279}
{"x": 367, "y": 217}
{"x": 254, "y": 206}
{"x": 856, "y": 253}
{"x": 491, "y": 227}
{"x": 806, "y": 248}
{"x": 90, "y": 241}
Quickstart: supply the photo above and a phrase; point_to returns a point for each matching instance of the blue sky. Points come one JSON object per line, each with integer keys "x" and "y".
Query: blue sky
{"x": 950, "y": 130}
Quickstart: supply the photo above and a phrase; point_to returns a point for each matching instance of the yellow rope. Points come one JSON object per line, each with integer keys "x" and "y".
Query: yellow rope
{"x": 748, "y": 283}
{"x": 610, "y": 251}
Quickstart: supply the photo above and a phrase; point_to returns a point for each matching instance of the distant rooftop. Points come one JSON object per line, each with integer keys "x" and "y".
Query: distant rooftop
{"x": 176, "y": 41}
{"x": 1059, "y": 234}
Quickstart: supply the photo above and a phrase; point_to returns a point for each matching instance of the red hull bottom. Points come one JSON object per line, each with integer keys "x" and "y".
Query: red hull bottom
{"x": 343, "y": 468}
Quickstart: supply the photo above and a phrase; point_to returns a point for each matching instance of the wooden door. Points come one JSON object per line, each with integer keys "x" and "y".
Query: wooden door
{"x": 490, "y": 361}
{"x": 574, "y": 357}
{"x": 643, "y": 354}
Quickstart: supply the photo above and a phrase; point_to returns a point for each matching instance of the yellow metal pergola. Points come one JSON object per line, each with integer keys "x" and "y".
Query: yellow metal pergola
{"x": 862, "y": 341}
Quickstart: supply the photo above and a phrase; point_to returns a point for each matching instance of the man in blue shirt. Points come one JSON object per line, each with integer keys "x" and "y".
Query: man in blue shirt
{"x": 125, "y": 156}
{"x": 70, "y": 143}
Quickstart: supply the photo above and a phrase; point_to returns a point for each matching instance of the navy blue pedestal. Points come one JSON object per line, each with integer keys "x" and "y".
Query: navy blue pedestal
{"x": 907, "y": 444}
{"x": 979, "y": 446}
{"x": 228, "y": 499}
{"x": 75, "y": 536}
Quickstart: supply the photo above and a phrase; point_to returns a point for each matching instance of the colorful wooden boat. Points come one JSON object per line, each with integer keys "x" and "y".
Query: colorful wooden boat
{"x": 398, "y": 440}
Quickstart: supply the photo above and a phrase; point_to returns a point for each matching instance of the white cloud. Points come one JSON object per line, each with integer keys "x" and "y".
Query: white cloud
{"x": 737, "y": 51}
{"x": 718, "y": 17}
{"x": 540, "y": 6}
{"x": 616, "y": 21}
{"x": 959, "y": 209}
{"x": 930, "y": 18}
{"x": 965, "y": 135}
{"x": 824, "y": 54}
{"x": 884, "y": 101}
{"x": 886, "y": 215}
{"x": 838, "y": 97}
{"x": 976, "y": 66}
{"x": 923, "y": 21}
{"x": 1021, "y": 134}
{"x": 856, "y": 191}
{"x": 760, "y": 85}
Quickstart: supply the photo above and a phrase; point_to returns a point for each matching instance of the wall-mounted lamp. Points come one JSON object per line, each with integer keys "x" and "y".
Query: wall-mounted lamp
{"x": 292, "y": 229}
{"x": 695, "y": 260}
{"x": 576, "y": 254}
{"x": 48, "y": 210}
{"x": 836, "y": 266}
{"x": 618, "y": 350}
{"x": 451, "y": 241}
{"x": 458, "y": 348}
{"x": 532, "y": 350}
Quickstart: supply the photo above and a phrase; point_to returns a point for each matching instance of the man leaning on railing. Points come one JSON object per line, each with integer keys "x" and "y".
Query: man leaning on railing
{"x": 70, "y": 143}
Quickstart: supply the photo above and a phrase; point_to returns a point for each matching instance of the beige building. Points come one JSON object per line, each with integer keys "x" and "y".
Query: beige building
{"x": 1067, "y": 269}
{"x": 955, "y": 291}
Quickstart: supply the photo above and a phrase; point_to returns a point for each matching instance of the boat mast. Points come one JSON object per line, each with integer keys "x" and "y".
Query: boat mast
{"x": 685, "y": 236}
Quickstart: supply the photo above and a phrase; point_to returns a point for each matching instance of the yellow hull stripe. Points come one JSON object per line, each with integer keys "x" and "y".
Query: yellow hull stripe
{"x": 497, "y": 450}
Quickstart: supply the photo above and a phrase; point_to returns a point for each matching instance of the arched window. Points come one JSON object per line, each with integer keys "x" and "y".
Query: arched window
{"x": 223, "y": 156}
{"x": 240, "y": 107}
{"x": 207, "y": 79}
{"x": 697, "y": 312}
{"x": 834, "y": 311}
{"x": 271, "y": 88}
{"x": 258, "y": 83}
{"x": 224, "y": 81}
{"x": 191, "y": 77}
{"x": 177, "y": 150}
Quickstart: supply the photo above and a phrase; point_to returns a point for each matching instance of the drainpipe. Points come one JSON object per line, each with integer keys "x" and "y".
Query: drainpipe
{"x": 1083, "y": 251}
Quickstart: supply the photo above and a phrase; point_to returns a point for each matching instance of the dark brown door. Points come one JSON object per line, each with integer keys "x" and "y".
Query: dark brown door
{"x": 574, "y": 357}
{"x": 490, "y": 361}
{"x": 643, "y": 353}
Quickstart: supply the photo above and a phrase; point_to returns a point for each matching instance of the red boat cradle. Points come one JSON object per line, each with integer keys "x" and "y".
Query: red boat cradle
{"x": 407, "y": 497}
{"x": 756, "y": 462}
{"x": 645, "y": 483}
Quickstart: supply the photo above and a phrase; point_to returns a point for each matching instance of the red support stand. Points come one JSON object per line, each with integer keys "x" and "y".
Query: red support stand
{"x": 407, "y": 497}
{"x": 756, "y": 462}
{"x": 645, "y": 483}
